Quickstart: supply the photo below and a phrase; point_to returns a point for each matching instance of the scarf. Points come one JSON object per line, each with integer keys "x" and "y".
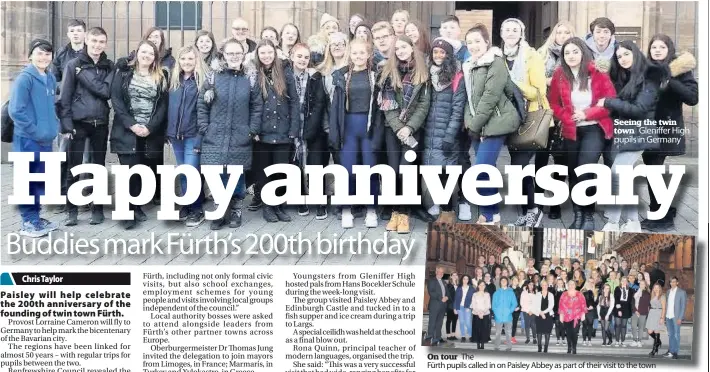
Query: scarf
{"x": 553, "y": 59}
{"x": 607, "y": 54}
{"x": 388, "y": 97}
{"x": 438, "y": 86}
{"x": 517, "y": 54}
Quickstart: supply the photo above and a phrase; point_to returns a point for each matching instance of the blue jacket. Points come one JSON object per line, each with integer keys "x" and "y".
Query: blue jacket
{"x": 459, "y": 297}
{"x": 32, "y": 106}
{"x": 503, "y": 305}
{"x": 182, "y": 110}
{"x": 463, "y": 54}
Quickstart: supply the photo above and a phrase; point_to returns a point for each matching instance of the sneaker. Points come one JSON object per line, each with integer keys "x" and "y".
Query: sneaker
{"x": 371, "y": 218}
{"x": 347, "y": 219}
{"x": 72, "y": 218}
{"x": 520, "y": 221}
{"x": 617, "y": 344}
{"x": 513, "y": 340}
{"x": 33, "y": 230}
{"x": 631, "y": 226}
{"x": 557, "y": 343}
{"x": 624, "y": 345}
{"x": 639, "y": 344}
{"x": 47, "y": 224}
{"x": 250, "y": 190}
{"x": 256, "y": 203}
{"x": 493, "y": 221}
{"x": 393, "y": 222}
{"x": 610, "y": 226}
{"x": 533, "y": 218}
{"x": 195, "y": 218}
{"x": 97, "y": 215}
{"x": 564, "y": 342}
{"x": 434, "y": 210}
{"x": 321, "y": 212}
{"x": 303, "y": 210}
{"x": 403, "y": 225}
{"x": 465, "y": 212}
{"x": 140, "y": 215}
{"x": 184, "y": 212}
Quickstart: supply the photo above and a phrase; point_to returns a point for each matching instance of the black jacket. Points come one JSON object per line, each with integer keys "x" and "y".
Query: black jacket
{"x": 315, "y": 108}
{"x": 639, "y": 108}
{"x": 336, "y": 116}
{"x": 123, "y": 140}
{"x": 167, "y": 61}
{"x": 60, "y": 60}
{"x": 86, "y": 90}
{"x": 182, "y": 110}
{"x": 281, "y": 116}
{"x": 589, "y": 299}
{"x": 623, "y": 306}
{"x": 451, "y": 294}
{"x": 681, "y": 88}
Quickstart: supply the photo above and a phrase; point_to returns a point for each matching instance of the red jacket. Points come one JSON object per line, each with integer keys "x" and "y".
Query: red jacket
{"x": 561, "y": 102}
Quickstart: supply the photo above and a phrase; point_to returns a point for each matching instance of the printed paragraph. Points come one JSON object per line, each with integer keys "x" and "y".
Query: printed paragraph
{"x": 207, "y": 322}
{"x": 60, "y": 330}
{"x": 325, "y": 314}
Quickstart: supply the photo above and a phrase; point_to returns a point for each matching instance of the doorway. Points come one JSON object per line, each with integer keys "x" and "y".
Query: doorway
{"x": 539, "y": 17}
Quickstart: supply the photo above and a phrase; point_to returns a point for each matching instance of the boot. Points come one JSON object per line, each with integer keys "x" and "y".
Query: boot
{"x": 588, "y": 220}
{"x": 403, "y": 226}
{"x": 539, "y": 344}
{"x": 658, "y": 340}
{"x": 393, "y": 223}
{"x": 72, "y": 217}
{"x": 569, "y": 346}
{"x": 555, "y": 212}
{"x": 270, "y": 214}
{"x": 281, "y": 214}
{"x": 446, "y": 218}
{"x": 235, "y": 217}
{"x": 574, "y": 345}
{"x": 97, "y": 215}
{"x": 654, "y": 350}
{"x": 547, "y": 341}
{"x": 578, "y": 217}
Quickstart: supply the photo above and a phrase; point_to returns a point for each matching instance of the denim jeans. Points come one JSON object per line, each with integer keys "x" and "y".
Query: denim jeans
{"x": 673, "y": 335}
{"x": 30, "y": 212}
{"x": 241, "y": 189}
{"x": 185, "y": 154}
{"x": 621, "y": 213}
{"x": 487, "y": 153}
{"x": 465, "y": 319}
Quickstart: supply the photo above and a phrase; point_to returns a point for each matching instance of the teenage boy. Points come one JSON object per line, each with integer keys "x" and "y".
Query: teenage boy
{"x": 85, "y": 111}
{"x": 383, "y": 35}
{"x": 32, "y": 109}
{"x": 601, "y": 40}
{"x": 450, "y": 29}
{"x": 76, "y": 33}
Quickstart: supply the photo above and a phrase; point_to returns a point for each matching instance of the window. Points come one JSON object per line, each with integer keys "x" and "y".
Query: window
{"x": 178, "y": 15}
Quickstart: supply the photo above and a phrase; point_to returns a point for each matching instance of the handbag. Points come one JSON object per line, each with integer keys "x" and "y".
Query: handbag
{"x": 8, "y": 126}
{"x": 534, "y": 132}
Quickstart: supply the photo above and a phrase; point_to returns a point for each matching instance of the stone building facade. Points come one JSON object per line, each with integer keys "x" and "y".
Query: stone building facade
{"x": 125, "y": 21}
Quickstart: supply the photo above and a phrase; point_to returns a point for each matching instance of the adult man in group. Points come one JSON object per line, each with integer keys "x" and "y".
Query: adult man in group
{"x": 624, "y": 268}
{"x": 491, "y": 266}
{"x": 84, "y": 111}
{"x": 675, "y": 310}
{"x": 240, "y": 31}
{"x": 657, "y": 275}
{"x": 437, "y": 306}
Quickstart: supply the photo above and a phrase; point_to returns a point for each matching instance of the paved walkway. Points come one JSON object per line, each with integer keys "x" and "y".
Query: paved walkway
{"x": 309, "y": 228}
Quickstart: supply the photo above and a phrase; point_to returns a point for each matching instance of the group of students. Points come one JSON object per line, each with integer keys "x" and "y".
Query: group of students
{"x": 364, "y": 97}
{"x": 564, "y": 296}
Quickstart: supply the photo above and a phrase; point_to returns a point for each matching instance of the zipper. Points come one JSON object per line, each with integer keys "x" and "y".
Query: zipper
{"x": 180, "y": 107}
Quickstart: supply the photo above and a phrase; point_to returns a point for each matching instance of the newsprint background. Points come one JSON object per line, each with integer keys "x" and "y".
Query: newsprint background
{"x": 232, "y": 313}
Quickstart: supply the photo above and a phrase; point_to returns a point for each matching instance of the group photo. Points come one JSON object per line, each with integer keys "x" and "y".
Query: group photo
{"x": 560, "y": 291}
{"x": 351, "y": 83}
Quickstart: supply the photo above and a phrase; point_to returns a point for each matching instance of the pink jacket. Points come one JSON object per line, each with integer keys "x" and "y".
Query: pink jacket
{"x": 572, "y": 307}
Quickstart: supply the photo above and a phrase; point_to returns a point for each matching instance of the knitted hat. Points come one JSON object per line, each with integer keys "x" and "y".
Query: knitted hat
{"x": 519, "y": 22}
{"x": 36, "y": 43}
{"x": 443, "y": 44}
{"x": 325, "y": 18}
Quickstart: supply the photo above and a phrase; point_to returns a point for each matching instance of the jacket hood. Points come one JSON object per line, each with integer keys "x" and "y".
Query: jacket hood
{"x": 103, "y": 59}
{"x": 32, "y": 70}
{"x": 485, "y": 60}
{"x": 683, "y": 63}
{"x": 656, "y": 72}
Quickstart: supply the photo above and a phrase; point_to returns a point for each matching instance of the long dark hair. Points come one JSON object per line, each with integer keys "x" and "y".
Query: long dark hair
{"x": 163, "y": 48}
{"x": 214, "y": 51}
{"x": 424, "y": 41}
{"x": 449, "y": 67}
{"x": 583, "y": 75}
{"x": 281, "y": 38}
{"x": 669, "y": 43}
{"x": 278, "y": 75}
{"x": 628, "y": 82}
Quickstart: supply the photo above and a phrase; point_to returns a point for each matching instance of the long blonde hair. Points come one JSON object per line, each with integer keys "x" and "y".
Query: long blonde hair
{"x": 544, "y": 50}
{"x": 328, "y": 65}
{"x": 420, "y": 75}
{"x": 200, "y": 72}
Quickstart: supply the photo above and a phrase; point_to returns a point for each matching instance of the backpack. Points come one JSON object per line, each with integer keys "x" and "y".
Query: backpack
{"x": 8, "y": 126}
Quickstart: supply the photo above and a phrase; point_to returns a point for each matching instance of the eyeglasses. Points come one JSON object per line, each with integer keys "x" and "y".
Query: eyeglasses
{"x": 238, "y": 54}
{"x": 240, "y": 29}
{"x": 380, "y": 38}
